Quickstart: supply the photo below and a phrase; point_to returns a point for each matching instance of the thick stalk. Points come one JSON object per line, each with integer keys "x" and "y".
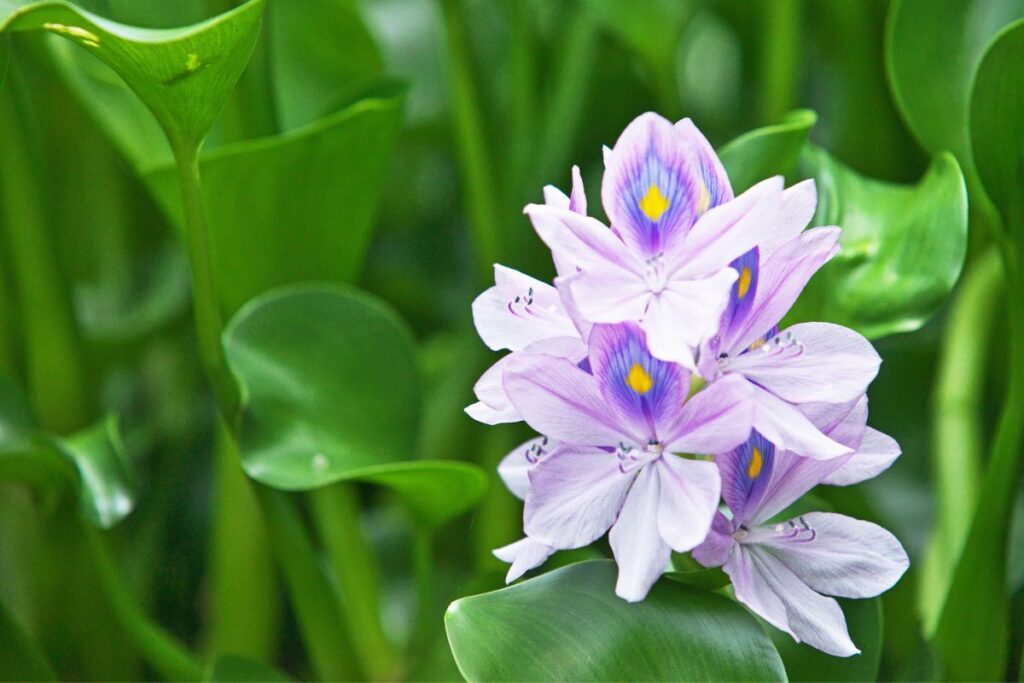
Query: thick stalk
{"x": 522, "y": 103}
{"x": 979, "y": 583}
{"x": 779, "y": 63}
{"x": 957, "y": 435}
{"x": 244, "y": 612}
{"x": 162, "y": 651}
{"x": 315, "y": 602}
{"x": 57, "y": 384}
{"x": 335, "y": 511}
{"x": 426, "y": 595}
{"x": 208, "y": 319}
{"x": 478, "y": 178}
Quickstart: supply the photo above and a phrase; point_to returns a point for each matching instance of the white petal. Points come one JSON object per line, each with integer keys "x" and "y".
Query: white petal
{"x": 639, "y": 550}
{"x": 525, "y": 554}
{"x": 688, "y": 500}
{"x": 769, "y": 585}
{"x": 837, "y": 555}
{"x": 877, "y": 451}
{"x": 574, "y": 497}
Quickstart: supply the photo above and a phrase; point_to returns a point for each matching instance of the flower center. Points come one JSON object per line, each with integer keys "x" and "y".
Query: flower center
{"x": 654, "y": 276}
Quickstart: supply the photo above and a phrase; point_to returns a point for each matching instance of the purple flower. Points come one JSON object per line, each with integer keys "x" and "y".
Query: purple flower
{"x": 810, "y": 362}
{"x": 675, "y": 231}
{"x": 784, "y": 571}
{"x": 615, "y": 467}
{"x": 521, "y": 313}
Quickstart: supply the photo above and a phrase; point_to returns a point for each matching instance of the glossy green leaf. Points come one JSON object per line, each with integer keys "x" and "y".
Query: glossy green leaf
{"x": 25, "y": 454}
{"x": 997, "y": 125}
{"x": 932, "y": 50}
{"x": 764, "y": 152}
{"x": 106, "y": 491}
{"x": 332, "y": 394}
{"x": 320, "y": 51}
{"x": 305, "y": 211}
{"x": 568, "y": 624}
{"x": 804, "y": 663}
{"x": 236, "y": 669}
{"x": 183, "y": 76}
{"x": 21, "y": 658}
{"x": 902, "y": 247}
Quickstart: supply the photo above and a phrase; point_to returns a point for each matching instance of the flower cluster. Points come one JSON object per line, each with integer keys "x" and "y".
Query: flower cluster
{"x": 675, "y": 414}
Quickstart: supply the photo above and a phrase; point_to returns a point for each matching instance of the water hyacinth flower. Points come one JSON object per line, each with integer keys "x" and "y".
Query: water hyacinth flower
{"x": 809, "y": 362}
{"x": 786, "y": 571}
{"x": 521, "y": 313}
{"x": 675, "y": 231}
{"x": 619, "y": 428}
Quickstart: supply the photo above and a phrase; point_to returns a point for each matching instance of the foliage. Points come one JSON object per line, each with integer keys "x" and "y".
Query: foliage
{"x": 283, "y": 486}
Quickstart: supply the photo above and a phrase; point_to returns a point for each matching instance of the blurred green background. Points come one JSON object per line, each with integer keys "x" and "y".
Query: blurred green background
{"x": 389, "y": 144}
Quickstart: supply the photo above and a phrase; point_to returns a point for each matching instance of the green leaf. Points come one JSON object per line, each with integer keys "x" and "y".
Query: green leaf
{"x": 183, "y": 76}
{"x": 804, "y": 663}
{"x": 106, "y": 491}
{"x": 21, "y": 658}
{"x": 236, "y": 669}
{"x": 320, "y": 51}
{"x": 305, "y": 211}
{"x": 997, "y": 125}
{"x": 932, "y": 50}
{"x": 768, "y": 151}
{"x": 568, "y": 624}
{"x": 903, "y": 247}
{"x": 332, "y": 394}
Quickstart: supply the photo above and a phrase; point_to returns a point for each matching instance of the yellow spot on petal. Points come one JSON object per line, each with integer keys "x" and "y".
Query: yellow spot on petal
{"x": 756, "y": 463}
{"x": 758, "y": 343}
{"x": 743, "y": 284}
{"x": 654, "y": 203}
{"x": 704, "y": 200}
{"x": 639, "y": 380}
{"x": 192, "y": 62}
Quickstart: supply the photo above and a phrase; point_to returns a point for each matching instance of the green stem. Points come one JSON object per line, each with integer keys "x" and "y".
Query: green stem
{"x": 779, "y": 63}
{"x": 958, "y": 439}
{"x": 336, "y": 515}
{"x": 478, "y": 178}
{"x": 55, "y": 375}
{"x": 523, "y": 101}
{"x": 209, "y": 323}
{"x": 162, "y": 651}
{"x": 244, "y": 610}
{"x": 978, "y": 591}
{"x": 315, "y": 602}
{"x": 426, "y": 596}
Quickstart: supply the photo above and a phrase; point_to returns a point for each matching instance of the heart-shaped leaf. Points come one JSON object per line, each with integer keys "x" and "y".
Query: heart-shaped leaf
{"x": 320, "y": 51}
{"x": 932, "y": 50}
{"x": 997, "y": 125}
{"x": 902, "y": 247}
{"x": 332, "y": 394}
{"x": 305, "y": 211}
{"x": 768, "y": 151}
{"x": 91, "y": 462}
{"x": 183, "y": 76}
{"x": 106, "y": 490}
{"x": 864, "y": 621}
{"x": 568, "y": 624}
